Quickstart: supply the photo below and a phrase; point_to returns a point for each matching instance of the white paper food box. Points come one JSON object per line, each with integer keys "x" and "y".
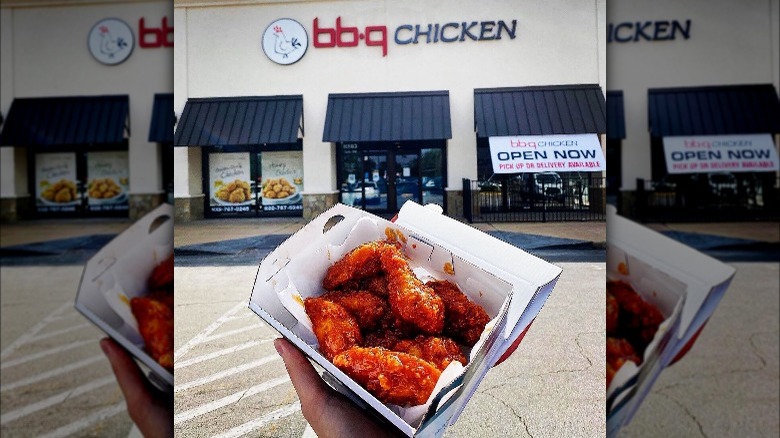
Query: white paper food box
{"x": 685, "y": 284}
{"x": 509, "y": 283}
{"x": 122, "y": 267}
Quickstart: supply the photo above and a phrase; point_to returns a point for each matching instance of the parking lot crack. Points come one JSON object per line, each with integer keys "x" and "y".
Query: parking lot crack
{"x": 686, "y": 410}
{"x": 755, "y": 348}
{"x": 514, "y": 412}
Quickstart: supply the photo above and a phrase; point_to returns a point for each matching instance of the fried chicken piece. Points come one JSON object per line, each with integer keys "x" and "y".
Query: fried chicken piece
{"x": 438, "y": 351}
{"x": 464, "y": 319}
{"x": 376, "y": 284}
{"x": 155, "y": 322}
{"x": 162, "y": 275}
{"x": 391, "y": 376}
{"x": 613, "y": 314}
{"x": 410, "y": 299}
{"x": 619, "y": 351}
{"x": 366, "y": 308}
{"x": 361, "y": 262}
{"x": 389, "y": 332}
{"x": 335, "y": 328}
{"x": 639, "y": 320}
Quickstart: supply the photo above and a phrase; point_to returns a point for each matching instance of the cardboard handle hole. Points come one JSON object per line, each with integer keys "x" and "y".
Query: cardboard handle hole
{"x": 332, "y": 223}
{"x": 157, "y": 222}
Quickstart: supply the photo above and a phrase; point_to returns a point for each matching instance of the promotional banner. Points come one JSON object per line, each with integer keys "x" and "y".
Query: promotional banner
{"x": 230, "y": 182}
{"x": 717, "y": 153}
{"x": 107, "y": 181}
{"x": 281, "y": 176}
{"x": 540, "y": 153}
{"x": 56, "y": 183}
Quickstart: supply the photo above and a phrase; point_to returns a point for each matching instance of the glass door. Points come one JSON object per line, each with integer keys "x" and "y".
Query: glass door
{"x": 407, "y": 179}
{"x": 372, "y": 191}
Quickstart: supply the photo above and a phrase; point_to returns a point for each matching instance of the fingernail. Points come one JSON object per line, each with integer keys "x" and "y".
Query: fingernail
{"x": 278, "y": 345}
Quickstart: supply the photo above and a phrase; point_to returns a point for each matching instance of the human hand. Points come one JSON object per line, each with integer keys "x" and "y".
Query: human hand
{"x": 330, "y": 414}
{"x": 150, "y": 409}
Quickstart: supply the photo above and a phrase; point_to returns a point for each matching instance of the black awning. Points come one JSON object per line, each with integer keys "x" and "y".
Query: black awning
{"x": 713, "y": 110}
{"x": 161, "y": 128}
{"x": 240, "y": 121}
{"x": 66, "y": 121}
{"x": 616, "y": 120}
{"x": 542, "y": 110}
{"x": 402, "y": 116}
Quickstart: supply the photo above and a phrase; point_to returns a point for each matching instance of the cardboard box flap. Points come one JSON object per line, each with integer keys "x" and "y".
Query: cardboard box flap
{"x": 526, "y": 273}
{"x": 476, "y": 244}
{"x": 119, "y": 272}
{"x": 701, "y": 273}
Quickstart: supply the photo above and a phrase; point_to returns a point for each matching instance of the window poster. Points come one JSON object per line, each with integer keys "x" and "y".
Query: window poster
{"x": 56, "y": 183}
{"x": 281, "y": 179}
{"x": 107, "y": 181}
{"x": 231, "y": 189}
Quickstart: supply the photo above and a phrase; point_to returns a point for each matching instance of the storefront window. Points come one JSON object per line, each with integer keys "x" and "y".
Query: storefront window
{"x": 381, "y": 177}
{"x": 281, "y": 176}
{"x": 231, "y": 188}
{"x": 107, "y": 181}
{"x": 247, "y": 183}
{"x": 351, "y": 171}
{"x": 372, "y": 192}
{"x": 57, "y": 186}
{"x": 431, "y": 166}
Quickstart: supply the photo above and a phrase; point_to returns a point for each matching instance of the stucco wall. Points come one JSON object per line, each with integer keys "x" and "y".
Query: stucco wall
{"x": 45, "y": 54}
{"x": 558, "y": 42}
{"x": 729, "y": 44}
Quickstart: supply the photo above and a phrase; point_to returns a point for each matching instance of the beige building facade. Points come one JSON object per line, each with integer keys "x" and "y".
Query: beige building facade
{"x": 361, "y": 47}
{"x": 46, "y": 54}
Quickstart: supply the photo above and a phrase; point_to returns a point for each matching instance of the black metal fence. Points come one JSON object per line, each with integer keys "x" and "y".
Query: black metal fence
{"x": 709, "y": 198}
{"x": 543, "y": 197}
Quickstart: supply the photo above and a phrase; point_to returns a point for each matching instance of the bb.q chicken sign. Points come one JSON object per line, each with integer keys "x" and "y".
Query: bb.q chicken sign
{"x": 111, "y": 41}
{"x": 285, "y": 41}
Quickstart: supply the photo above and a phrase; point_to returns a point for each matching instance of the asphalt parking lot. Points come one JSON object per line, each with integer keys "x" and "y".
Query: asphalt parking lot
{"x": 54, "y": 379}
{"x": 230, "y": 381}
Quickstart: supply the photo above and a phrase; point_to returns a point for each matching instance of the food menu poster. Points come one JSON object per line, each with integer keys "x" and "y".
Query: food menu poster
{"x": 230, "y": 183}
{"x": 56, "y": 183}
{"x": 281, "y": 180}
{"x": 107, "y": 181}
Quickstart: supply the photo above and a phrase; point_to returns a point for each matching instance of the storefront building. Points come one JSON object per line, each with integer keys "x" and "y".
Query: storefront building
{"x": 694, "y": 96}
{"x": 87, "y": 108}
{"x": 386, "y": 90}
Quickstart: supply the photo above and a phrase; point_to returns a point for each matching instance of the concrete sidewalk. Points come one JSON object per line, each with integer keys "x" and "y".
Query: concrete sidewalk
{"x": 214, "y": 230}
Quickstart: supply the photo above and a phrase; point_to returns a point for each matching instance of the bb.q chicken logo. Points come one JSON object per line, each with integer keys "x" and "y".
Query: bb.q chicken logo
{"x": 285, "y": 41}
{"x": 111, "y": 41}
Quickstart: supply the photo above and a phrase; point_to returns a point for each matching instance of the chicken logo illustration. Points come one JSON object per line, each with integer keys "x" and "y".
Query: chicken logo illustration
{"x": 111, "y": 41}
{"x": 285, "y": 41}
{"x": 109, "y": 46}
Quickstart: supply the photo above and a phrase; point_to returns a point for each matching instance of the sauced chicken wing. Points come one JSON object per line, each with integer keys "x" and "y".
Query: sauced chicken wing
{"x": 361, "y": 262}
{"x": 155, "y": 322}
{"x": 464, "y": 319}
{"x": 376, "y": 284}
{"x": 410, "y": 299}
{"x": 336, "y": 330}
{"x": 392, "y": 377}
{"x": 639, "y": 320}
{"x": 438, "y": 351}
{"x": 162, "y": 275}
{"x": 613, "y": 314}
{"x": 618, "y": 352}
{"x": 366, "y": 308}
